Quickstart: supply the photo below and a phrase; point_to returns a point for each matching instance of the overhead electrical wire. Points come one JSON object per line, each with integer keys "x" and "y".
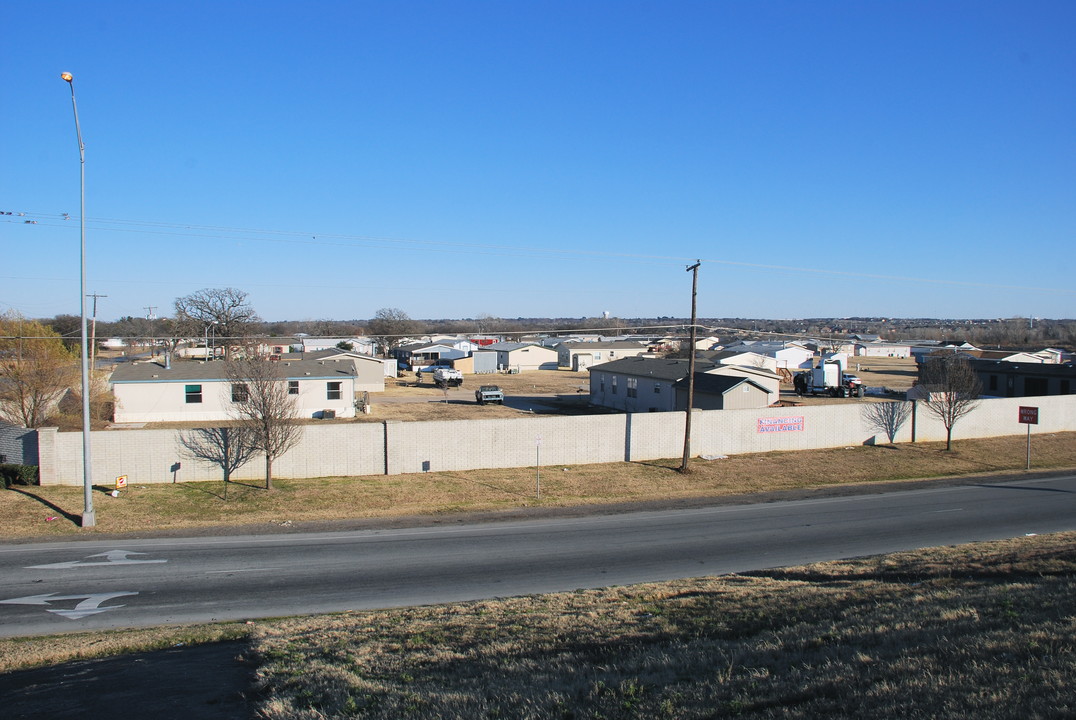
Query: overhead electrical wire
{"x": 218, "y": 232}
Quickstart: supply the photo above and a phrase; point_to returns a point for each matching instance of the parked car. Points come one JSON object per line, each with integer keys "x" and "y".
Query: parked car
{"x": 489, "y": 394}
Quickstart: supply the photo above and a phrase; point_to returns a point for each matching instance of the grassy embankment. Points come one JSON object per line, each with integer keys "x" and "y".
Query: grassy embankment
{"x": 984, "y": 631}
{"x": 194, "y": 506}
{"x": 987, "y": 630}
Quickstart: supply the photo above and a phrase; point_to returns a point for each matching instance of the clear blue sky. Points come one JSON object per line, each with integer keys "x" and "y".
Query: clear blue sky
{"x": 544, "y": 158}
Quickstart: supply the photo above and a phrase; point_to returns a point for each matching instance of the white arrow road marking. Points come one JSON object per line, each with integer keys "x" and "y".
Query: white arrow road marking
{"x": 112, "y": 557}
{"x": 88, "y": 606}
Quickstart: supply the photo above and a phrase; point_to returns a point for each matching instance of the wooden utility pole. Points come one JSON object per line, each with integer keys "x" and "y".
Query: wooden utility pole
{"x": 93, "y": 333}
{"x": 684, "y": 467}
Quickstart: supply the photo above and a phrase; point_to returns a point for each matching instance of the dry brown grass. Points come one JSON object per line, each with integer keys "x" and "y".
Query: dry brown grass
{"x": 892, "y": 373}
{"x": 552, "y": 391}
{"x": 201, "y": 505}
{"x": 534, "y": 382}
{"x": 985, "y": 631}
{"x": 28, "y": 652}
{"x": 572, "y": 391}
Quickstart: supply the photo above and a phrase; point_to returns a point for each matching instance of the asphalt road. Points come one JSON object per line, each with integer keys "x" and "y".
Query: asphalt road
{"x": 81, "y": 585}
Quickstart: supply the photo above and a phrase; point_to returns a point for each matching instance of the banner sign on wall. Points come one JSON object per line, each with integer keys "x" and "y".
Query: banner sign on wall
{"x": 780, "y": 424}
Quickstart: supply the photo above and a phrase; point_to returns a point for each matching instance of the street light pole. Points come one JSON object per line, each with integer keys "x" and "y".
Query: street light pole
{"x": 88, "y": 515}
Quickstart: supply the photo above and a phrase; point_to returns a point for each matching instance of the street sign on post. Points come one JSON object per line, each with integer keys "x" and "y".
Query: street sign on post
{"x": 1029, "y": 416}
{"x": 538, "y": 468}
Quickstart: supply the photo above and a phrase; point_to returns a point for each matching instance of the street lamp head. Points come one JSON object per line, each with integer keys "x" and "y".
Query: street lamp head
{"x": 67, "y": 76}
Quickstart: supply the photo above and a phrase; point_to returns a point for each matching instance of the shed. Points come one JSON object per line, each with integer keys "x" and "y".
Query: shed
{"x": 723, "y": 392}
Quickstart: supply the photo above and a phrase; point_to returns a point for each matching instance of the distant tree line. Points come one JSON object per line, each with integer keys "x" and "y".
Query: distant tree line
{"x": 228, "y": 313}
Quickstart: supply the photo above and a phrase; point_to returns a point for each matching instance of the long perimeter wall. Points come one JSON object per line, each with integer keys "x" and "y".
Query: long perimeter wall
{"x": 157, "y": 456}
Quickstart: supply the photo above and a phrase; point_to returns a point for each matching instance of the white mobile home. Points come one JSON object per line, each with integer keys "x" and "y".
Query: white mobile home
{"x": 201, "y": 391}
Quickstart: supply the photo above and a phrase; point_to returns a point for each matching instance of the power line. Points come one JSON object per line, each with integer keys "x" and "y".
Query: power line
{"x": 218, "y": 232}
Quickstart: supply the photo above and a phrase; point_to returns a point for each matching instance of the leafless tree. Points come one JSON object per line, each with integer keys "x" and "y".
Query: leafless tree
{"x": 263, "y": 406}
{"x": 887, "y": 417}
{"x": 390, "y": 326}
{"x": 230, "y": 448}
{"x": 952, "y": 389}
{"x": 485, "y": 323}
{"x": 1066, "y": 334}
{"x": 102, "y": 401}
{"x": 226, "y": 309}
{"x": 758, "y": 362}
{"x": 35, "y": 371}
{"x": 833, "y": 344}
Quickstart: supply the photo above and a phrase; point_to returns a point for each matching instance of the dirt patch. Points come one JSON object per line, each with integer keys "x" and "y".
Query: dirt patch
{"x": 534, "y": 382}
{"x": 892, "y": 373}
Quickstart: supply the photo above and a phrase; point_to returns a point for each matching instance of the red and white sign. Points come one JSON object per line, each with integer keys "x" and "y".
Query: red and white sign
{"x": 1029, "y": 415}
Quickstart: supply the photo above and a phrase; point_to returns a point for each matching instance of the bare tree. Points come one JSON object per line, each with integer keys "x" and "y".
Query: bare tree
{"x": 390, "y": 326}
{"x": 951, "y": 389}
{"x": 887, "y": 417}
{"x": 832, "y": 343}
{"x": 35, "y": 370}
{"x": 759, "y": 361}
{"x": 102, "y": 401}
{"x": 225, "y": 309}
{"x": 138, "y": 332}
{"x": 485, "y": 323}
{"x": 230, "y": 448}
{"x": 263, "y": 406}
{"x": 1066, "y": 334}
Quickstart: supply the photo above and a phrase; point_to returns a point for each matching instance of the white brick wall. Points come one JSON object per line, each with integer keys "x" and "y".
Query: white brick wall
{"x": 147, "y": 456}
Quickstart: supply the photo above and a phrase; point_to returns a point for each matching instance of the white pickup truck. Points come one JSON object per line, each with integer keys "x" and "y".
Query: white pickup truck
{"x": 489, "y": 394}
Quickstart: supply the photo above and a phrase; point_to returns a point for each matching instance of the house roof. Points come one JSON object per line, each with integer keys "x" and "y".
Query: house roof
{"x": 144, "y": 372}
{"x": 765, "y": 373}
{"x": 510, "y": 346}
{"x": 420, "y": 346}
{"x": 335, "y": 353}
{"x": 717, "y": 384}
{"x": 584, "y": 345}
{"x": 1017, "y": 368}
{"x": 719, "y": 356}
{"x": 764, "y": 346}
{"x": 321, "y": 340}
{"x": 997, "y": 354}
{"x": 659, "y": 368}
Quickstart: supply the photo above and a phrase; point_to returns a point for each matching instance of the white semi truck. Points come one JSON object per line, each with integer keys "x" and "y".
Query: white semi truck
{"x": 829, "y": 378}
